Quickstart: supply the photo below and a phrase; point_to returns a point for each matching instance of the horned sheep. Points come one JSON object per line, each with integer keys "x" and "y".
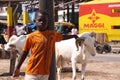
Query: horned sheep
{"x": 75, "y": 51}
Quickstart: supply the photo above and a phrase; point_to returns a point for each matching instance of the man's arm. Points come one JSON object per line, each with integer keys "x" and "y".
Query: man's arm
{"x": 17, "y": 68}
{"x": 69, "y": 36}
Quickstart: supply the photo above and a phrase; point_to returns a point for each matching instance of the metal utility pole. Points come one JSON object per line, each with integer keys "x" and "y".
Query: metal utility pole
{"x": 73, "y": 14}
{"x": 68, "y": 19}
{"x": 48, "y": 5}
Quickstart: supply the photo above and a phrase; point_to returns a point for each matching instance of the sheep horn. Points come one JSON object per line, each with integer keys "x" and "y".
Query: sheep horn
{"x": 93, "y": 34}
{"x": 79, "y": 42}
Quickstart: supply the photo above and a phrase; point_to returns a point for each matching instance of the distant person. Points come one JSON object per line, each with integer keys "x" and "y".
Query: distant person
{"x": 59, "y": 28}
{"x": 42, "y": 44}
{"x": 20, "y": 30}
{"x": 30, "y": 28}
{"x": 74, "y": 31}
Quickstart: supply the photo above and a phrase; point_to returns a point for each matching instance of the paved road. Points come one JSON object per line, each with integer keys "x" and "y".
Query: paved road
{"x": 107, "y": 57}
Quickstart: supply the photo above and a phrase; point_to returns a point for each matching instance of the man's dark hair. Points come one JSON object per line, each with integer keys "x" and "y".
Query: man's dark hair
{"x": 43, "y": 12}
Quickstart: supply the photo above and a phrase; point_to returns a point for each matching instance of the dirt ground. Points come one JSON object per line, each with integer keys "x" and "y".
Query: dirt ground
{"x": 95, "y": 70}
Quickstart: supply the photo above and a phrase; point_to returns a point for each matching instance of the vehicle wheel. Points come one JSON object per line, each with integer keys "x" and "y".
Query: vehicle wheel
{"x": 107, "y": 48}
{"x": 99, "y": 49}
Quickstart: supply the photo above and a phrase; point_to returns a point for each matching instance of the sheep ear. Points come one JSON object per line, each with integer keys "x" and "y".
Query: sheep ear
{"x": 79, "y": 42}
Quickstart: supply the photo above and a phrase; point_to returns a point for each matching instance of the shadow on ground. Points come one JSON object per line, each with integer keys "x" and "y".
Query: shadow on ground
{"x": 9, "y": 74}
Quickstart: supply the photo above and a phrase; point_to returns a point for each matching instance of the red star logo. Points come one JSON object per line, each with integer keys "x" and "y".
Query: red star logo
{"x": 93, "y": 17}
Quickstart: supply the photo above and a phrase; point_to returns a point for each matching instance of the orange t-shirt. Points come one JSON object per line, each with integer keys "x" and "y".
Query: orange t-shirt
{"x": 42, "y": 46}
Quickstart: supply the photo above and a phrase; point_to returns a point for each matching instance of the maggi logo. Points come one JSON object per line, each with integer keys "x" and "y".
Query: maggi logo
{"x": 93, "y": 18}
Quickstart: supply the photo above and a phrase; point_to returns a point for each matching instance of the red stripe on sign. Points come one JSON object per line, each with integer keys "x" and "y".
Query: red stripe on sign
{"x": 103, "y": 8}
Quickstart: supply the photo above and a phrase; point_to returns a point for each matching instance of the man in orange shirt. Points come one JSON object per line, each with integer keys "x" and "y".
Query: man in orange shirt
{"x": 42, "y": 44}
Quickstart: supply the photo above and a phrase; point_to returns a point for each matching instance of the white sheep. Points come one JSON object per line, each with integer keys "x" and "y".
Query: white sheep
{"x": 75, "y": 51}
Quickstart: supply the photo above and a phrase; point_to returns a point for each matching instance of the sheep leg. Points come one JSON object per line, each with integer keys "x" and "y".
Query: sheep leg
{"x": 74, "y": 69}
{"x": 59, "y": 73}
{"x": 83, "y": 71}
